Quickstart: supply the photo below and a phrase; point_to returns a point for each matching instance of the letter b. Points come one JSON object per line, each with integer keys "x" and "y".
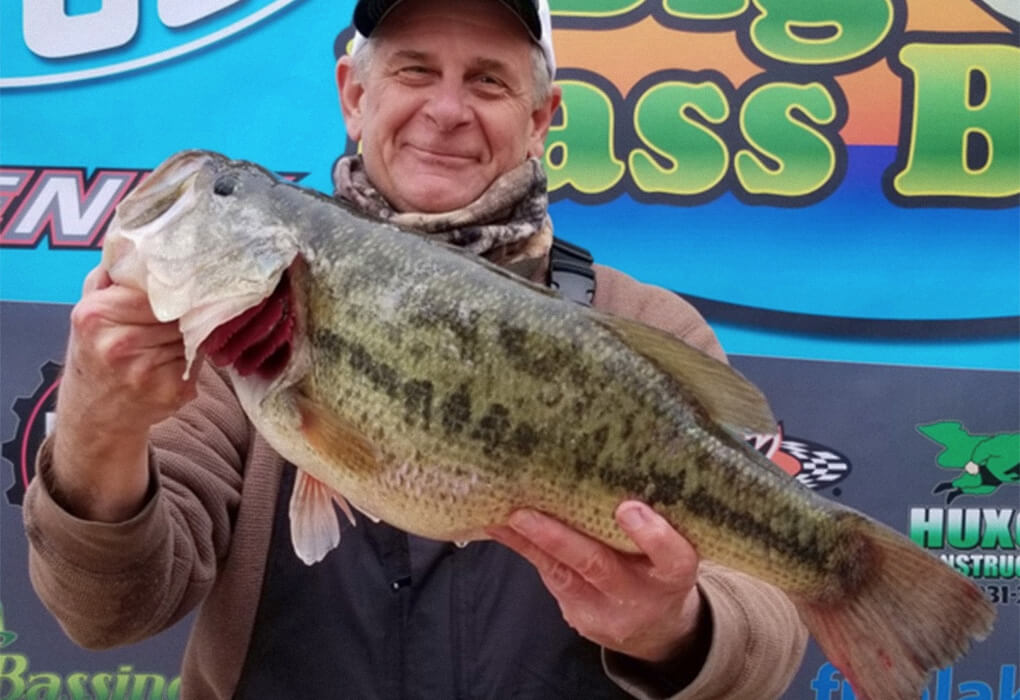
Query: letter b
{"x": 964, "y": 140}
{"x": 12, "y": 668}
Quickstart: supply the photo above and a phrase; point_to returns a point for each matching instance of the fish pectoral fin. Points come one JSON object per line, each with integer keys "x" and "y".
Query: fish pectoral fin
{"x": 725, "y": 394}
{"x": 336, "y": 438}
{"x": 314, "y": 526}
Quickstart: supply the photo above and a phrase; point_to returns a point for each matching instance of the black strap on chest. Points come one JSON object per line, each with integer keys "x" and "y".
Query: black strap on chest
{"x": 571, "y": 272}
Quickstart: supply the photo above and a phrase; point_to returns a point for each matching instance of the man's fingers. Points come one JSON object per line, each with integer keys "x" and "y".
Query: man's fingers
{"x": 556, "y": 575}
{"x": 97, "y": 278}
{"x": 595, "y": 562}
{"x": 125, "y": 305}
{"x": 162, "y": 339}
{"x": 672, "y": 556}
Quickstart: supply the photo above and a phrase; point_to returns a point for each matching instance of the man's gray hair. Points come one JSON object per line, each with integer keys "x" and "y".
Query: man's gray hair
{"x": 542, "y": 83}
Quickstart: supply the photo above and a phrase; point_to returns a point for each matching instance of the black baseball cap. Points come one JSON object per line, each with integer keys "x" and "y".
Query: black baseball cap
{"x": 534, "y": 14}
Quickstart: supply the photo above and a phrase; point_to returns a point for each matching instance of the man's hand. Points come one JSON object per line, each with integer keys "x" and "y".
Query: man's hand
{"x": 122, "y": 375}
{"x": 644, "y": 606}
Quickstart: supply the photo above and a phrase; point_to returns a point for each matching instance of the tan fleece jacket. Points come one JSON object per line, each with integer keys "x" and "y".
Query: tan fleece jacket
{"x": 202, "y": 539}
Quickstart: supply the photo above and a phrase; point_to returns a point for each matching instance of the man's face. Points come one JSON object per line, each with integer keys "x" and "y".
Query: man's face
{"x": 447, "y": 104}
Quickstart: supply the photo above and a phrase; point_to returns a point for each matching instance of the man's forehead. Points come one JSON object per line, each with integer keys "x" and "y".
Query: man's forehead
{"x": 402, "y": 53}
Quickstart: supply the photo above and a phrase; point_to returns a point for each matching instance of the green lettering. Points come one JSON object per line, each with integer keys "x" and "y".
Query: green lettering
{"x": 592, "y": 8}
{"x": 101, "y": 685}
{"x": 706, "y": 9}
{"x": 926, "y": 527}
{"x": 43, "y": 686}
{"x": 997, "y": 531}
{"x": 173, "y": 691}
{"x": 820, "y": 31}
{"x": 12, "y": 668}
{"x": 140, "y": 690}
{"x": 964, "y": 140}
{"x": 123, "y": 679}
{"x": 803, "y": 158}
{"x": 77, "y": 686}
{"x": 991, "y": 567}
{"x": 662, "y": 119}
{"x": 963, "y": 564}
{"x": 963, "y": 527}
{"x": 579, "y": 151}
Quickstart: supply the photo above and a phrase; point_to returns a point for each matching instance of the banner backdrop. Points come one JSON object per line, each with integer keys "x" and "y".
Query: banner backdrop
{"x": 834, "y": 184}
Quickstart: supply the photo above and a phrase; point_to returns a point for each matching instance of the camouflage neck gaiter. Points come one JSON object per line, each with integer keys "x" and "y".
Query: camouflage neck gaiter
{"x": 508, "y": 224}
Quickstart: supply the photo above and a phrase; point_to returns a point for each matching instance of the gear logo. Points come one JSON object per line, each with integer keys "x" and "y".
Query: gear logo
{"x": 33, "y": 425}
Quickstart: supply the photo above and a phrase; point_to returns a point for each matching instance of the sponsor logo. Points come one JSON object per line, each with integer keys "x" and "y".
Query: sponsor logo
{"x": 828, "y": 684}
{"x": 986, "y": 462}
{"x": 979, "y": 542}
{"x": 18, "y": 683}
{"x": 812, "y": 464}
{"x": 47, "y": 43}
{"x": 65, "y": 204}
{"x": 35, "y": 420}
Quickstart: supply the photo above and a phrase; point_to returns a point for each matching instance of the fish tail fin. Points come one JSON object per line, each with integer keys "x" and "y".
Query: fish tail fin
{"x": 909, "y": 615}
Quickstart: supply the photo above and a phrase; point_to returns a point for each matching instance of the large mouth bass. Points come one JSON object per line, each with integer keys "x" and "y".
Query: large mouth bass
{"x": 439, "y": 393}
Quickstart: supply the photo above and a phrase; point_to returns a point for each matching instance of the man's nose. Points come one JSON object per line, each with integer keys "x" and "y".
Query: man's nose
{"x": 448, "y": 106}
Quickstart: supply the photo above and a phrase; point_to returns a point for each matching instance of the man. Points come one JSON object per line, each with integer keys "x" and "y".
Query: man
{"x": 155, "y": 494}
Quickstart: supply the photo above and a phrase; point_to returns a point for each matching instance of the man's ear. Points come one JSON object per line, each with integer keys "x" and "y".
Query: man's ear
{"x": 351, "y": 91}
{"x": 541, "y": 120}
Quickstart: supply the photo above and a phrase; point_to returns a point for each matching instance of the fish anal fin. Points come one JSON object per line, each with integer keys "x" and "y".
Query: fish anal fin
{"x": 729, "y": 398}
{"x": 314, "y": 527}
{"x": 336, "y": 438}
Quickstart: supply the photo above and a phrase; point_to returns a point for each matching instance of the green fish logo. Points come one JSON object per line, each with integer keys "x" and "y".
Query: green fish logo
{"x": 987, "y": 461}
{"x": 6, "y": 637}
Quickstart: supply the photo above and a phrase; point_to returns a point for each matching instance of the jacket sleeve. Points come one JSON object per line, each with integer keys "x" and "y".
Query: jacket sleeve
{"x": 624, "y": 296}
{"x": 756, "y": 646}
{"x": 757, "y": 639}
{"x": 116, "y": 583}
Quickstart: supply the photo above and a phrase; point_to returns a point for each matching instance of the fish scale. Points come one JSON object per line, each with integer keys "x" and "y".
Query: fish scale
{"x": 439, "y": 392}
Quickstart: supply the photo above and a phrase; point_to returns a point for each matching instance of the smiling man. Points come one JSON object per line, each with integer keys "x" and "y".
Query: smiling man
{"x": 437, "y": 119}
{"x": 155, "y": 495}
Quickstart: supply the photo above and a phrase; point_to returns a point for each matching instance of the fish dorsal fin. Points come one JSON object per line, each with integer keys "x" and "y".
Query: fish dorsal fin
{"x": 314, "y": 527}
{"x": 725, "y": 394}
{"x": 335, "y": 438}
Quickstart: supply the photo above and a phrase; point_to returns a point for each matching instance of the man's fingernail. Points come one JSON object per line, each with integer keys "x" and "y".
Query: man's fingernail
{"x": 524, "y": 521}
{"x": 633, "y": 517}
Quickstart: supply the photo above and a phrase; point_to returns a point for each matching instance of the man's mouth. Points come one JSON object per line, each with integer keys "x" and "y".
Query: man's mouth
{"x": 440, "y": 156}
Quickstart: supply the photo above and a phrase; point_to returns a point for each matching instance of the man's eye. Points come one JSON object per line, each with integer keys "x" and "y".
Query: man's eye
{"x": 490, "y": 82}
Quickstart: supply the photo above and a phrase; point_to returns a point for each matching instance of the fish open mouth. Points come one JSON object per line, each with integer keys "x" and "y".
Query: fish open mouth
{"x": 259, "y": 340}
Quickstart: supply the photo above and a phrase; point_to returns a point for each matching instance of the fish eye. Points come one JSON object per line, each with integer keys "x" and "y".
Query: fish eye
{"x": 225, "y": 185}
